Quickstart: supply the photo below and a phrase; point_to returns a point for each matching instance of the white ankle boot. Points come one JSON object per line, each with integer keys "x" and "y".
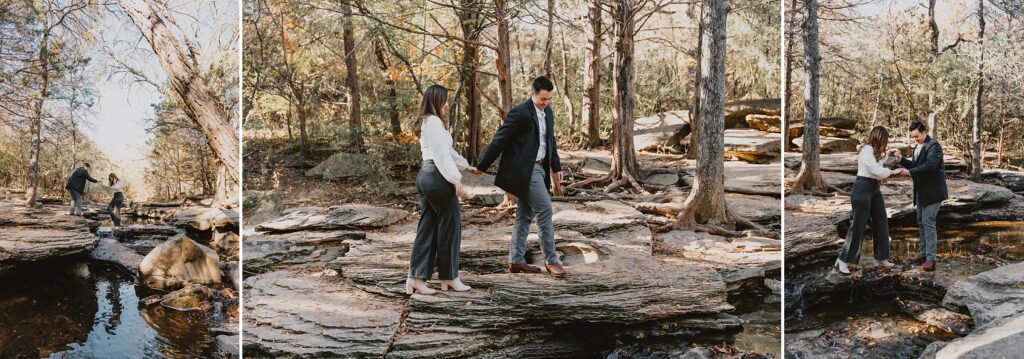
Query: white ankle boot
{"x": 887, "y": 263}
{"x": 455, "y": 284}
{"x": 417, "y": 285}
{"x": 842, "y": 267}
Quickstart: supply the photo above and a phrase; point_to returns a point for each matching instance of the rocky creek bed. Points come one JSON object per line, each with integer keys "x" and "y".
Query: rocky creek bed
{"x": 328, "y": 281}
{"x": 970, "y": 305}
{"x": 73, "y": 287}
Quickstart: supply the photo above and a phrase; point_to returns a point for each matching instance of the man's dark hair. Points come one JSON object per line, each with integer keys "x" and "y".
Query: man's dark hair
{"x": 917, "y": 125}
{"x": 86, "y": 164}
{"x": 542, "y": 83}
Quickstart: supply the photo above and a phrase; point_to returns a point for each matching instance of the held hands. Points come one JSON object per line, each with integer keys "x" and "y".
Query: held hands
{"x": 474, "y": 171}
{"x": 901, "y": 172}
{"x": 895, "y": 152}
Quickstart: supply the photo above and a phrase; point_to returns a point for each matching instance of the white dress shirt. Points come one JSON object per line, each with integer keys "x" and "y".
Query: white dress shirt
{"x": 436, "y": 145}
{"x": 917, "y": 150}
{"x": 542, "y": 130}
{"x": 868, "y": 166}
{"x": 117, "y": 186}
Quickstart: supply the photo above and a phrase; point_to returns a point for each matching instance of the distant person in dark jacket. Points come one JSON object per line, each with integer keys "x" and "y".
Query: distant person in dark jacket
{"x": 76, "y": 185}
{"x": 927, "y": 169}
{"x": 526, "y": 143}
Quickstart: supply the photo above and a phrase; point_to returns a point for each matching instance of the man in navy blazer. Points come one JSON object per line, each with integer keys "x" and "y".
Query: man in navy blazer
{"x": 926, "y": 168}
{"x": 526, "y": 143}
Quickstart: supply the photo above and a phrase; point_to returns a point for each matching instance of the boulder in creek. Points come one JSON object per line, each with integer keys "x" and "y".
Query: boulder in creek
{"x": 1000, "y": 338}
{"x": 180, "y": 261}
{"x": 352, "y": 216}
{"x": 838, "y": 122}
{"x": 595, "y": 217}
{"x": 261, "y": 206}
{"x": 749, "y": 178}
{"x": 200, "y": 219}
{"x": 480, "y": 189}
{"x": 33, "y": 234}
{"x": 1013, "y": 180}
{"x": 342, "y": 166}
{"x": 991, "y": 295}
{"x": 736, "y": 112}
{"x": 651, "y": 133}
{"x": 838, "y": 145}
{"x": 765, "y": 123}
{"x": 110, "y": 250}
{"x": 188, "y": 298}
{"x": 743, "y": 251}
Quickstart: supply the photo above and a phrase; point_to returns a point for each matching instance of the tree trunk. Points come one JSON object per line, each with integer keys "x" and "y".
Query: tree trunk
{"x": 625, "y": 170}
{"x": 591, "y": 112}
{"x": 706, "y": 200}
{"x": 978, "y": 103}
{"x": 570, "y": 108}
{"x": 809, "y": 177}
{"x": 389, "y": 81}
{"x": 36, "y": 124}
{"x": 549, "y": 44}
{"x": 470, "y": 23}
{"x": 201, "y": 104}
{"x": 787, "y": 112}
{"x": 698, "y": 81}
{"x": 503, "y": 62}
{"x": 933, "y": 28}
{"x": 355, "y": 120}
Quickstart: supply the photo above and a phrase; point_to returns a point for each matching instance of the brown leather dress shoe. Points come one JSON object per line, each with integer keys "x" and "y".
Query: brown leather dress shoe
{"x": 521, "y": 268}
{"x": 918, "y": 258}
{"x": 928, "y": 266}
{"x": 555, "y": 270}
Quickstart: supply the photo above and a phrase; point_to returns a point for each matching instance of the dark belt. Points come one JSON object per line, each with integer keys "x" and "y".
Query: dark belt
{"x": 539, "y": 162}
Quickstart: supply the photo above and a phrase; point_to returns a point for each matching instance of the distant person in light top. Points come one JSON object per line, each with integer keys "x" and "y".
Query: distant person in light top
{"x": 439, "y": 183}
{"x": 114, "y": 207}
{"x": 526, "y": 143}
{"x": 927, "y": 169}
{"x": 76, "y": 186}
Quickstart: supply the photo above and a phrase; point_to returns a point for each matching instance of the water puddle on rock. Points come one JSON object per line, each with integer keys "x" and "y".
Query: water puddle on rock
{"x": 1002, "y": 240}
{"x": 46, "y": 311}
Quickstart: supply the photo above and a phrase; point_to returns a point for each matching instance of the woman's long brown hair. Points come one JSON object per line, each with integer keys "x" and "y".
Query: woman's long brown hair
{"x": 434, "y": 99}
{"x": 112, "y": 178}
{"x": 878, "y": 139}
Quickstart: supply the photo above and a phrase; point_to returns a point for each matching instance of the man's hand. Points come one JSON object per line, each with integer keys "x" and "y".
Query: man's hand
{"x": 901, "y": 172}
{"x": 560, "y": 175}
{"x": 474, "y": 170}
{"x": 896, "y": 152}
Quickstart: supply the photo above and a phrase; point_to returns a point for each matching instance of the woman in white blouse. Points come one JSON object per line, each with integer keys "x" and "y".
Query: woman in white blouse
{"x": 867, "y": 202}
{"x": 114, "y": 207}
{"x": 439, "y": 182}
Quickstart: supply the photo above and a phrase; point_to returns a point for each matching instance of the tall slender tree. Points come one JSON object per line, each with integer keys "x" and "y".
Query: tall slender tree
{"x": 591, "y": 112}
{"x": 355, "y": 119}
{"x": 809, "y": 178}
{"x": 978, "y": 97}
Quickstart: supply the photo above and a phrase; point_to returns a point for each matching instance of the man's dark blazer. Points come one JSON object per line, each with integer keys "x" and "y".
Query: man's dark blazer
{"x": 77, "y": 180}
{"x": 928, "y": 173}
{"x": 517, "y": 141}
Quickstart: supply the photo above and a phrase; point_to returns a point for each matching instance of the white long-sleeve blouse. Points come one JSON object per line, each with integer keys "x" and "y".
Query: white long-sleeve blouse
{"x": 868, "y": 166}
{"x": 436, "y": 145}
